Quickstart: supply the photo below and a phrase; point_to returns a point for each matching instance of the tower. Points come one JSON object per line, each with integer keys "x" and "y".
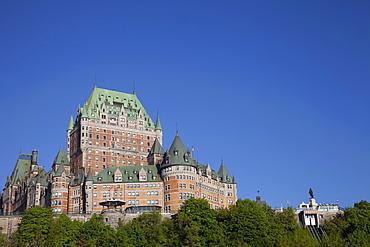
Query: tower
{"x": 60, "y": 183}
{"x": 111, "y": 129}
{"x": 184, "y": 177}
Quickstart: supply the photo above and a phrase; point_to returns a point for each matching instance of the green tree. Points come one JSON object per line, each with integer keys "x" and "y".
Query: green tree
{"x": 335, "y": 228}
{"x": 131, "y": 235}
{"x": 63, "y": 232}
{"x": 350, "y": 229}
{"x": 149, "y": 229}
{"x": 357, "y": 232}
{"x": 197, "y": 225}
{"x": 3, "y": 239}
{"x": 95, "y": 233}
{"x": 34, "y": 227}
{"x": 291, "y": 234}
{"x": 250, "y": 224}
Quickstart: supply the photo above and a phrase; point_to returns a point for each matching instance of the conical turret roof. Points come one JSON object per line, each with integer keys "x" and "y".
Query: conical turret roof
{"x": 158, "y": 124}
{"x": 178, "y": 154}
{"x": 89, "y": 176}
{"x": 156, "y": 148}
{"x": 224, "y": 174}
{"x": 70, "y": 125}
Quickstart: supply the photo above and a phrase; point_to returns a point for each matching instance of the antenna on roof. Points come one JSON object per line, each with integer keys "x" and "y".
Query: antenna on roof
{"x": 134, "y": 87}
{"x": 95, "y": 81}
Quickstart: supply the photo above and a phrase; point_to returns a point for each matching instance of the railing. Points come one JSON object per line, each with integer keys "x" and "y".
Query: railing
{"x": 316, "y": 232}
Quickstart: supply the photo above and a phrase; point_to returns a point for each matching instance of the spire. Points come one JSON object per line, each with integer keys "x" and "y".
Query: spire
{"x": 158, "y": 123}
{"x": 70, "y": 126}
{"x": 89, "y": 176}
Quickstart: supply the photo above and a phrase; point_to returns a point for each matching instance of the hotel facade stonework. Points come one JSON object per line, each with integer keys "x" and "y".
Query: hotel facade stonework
{"x": 115, "y": 151}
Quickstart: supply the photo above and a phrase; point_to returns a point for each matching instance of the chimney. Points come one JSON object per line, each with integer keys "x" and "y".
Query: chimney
{"x": 34, "y": 157}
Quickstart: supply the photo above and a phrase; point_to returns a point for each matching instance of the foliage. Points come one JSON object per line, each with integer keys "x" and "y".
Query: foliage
{"x": 63, "y": 232}
{"x": 291, "y": 234}
{"x": 351, "y": 229}
{"x": 251, "y": 224}
{"x": 34, "y": 227}
{"x": 196, "y": 224}
{"x": 95, "y": 233}
{"x": 3, "y": 239}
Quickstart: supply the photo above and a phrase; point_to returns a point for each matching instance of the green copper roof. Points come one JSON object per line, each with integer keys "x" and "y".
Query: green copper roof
{"x": 158, "y": 124}
{"x": 70, "y": 125}
{"x": 89, "y": 176}
{"x": 115, "y": 103}
{"x": 156, "y": 148}
{"x": 225, "y": 175}
{"x": 84, "y": 111}
{"x": 61, "y": 158}
{"x": 178, "y": 154}
{"x": 78, "y": 179}
{"x": 44, "y": 177}
{"x": 129, "y": 174}
{"x": 60, "y": 170}
{"x": 21, "y": 168}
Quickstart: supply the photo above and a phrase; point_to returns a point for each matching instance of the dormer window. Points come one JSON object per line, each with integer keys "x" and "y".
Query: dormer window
{"x": 176, "y": 152}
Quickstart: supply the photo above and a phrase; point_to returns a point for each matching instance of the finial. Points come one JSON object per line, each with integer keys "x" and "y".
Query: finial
{"x": 134, "y": 87}
{"x": 177, "y": 131}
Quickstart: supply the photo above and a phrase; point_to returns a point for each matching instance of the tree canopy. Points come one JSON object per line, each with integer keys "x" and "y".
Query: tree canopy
{"x": 196, "y": 224}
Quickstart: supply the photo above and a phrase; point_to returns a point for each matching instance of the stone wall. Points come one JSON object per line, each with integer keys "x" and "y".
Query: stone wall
{"x": 9, "y": 224}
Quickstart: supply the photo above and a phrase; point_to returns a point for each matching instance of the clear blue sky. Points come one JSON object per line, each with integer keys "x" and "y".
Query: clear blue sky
{"x": 278, "y": 89}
